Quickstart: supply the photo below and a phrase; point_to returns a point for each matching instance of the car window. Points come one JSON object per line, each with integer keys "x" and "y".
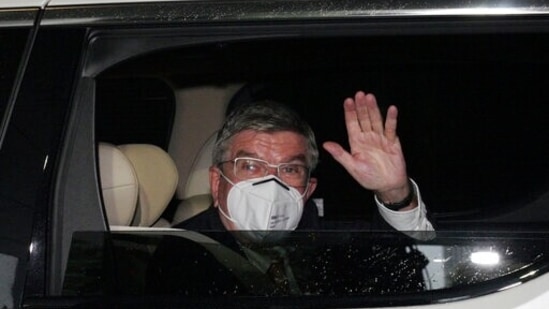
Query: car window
{"x": 134, "y": 110}
{"x": 12, "y": 247}
{"x": 337, "y": 268}
{"x": 13, "y": 41}
{"x": 457, "y": 95}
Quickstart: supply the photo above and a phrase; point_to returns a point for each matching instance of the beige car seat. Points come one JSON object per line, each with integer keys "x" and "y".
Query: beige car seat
{"x": 155, "y": 177}
{"x": 118, "y": 184}
{"x": 197, "y": 195}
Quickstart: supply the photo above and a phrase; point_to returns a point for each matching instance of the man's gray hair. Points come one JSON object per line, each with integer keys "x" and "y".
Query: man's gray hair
{"x": 264, "y": 116}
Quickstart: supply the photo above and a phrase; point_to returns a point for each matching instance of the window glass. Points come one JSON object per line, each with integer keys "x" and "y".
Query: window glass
{"x": 29, "y": 153}
{"x": 338, "y": 268}
{"x": 12, "y": 42}
{"x": 457, "y": 96}
{"x": 134, "y": 110}
{"x": 11, "y": 249}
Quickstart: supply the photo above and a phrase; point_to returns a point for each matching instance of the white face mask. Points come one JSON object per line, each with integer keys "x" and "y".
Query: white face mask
{"x": 263, "y": 204}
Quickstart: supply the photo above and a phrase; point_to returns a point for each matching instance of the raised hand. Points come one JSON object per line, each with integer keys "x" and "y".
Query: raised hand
{"x": 375, "y": 159}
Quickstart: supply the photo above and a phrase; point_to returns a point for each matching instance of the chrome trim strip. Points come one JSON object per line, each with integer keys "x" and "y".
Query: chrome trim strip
{"x": 17, "y": 17}
{"x": 281, "y": 10}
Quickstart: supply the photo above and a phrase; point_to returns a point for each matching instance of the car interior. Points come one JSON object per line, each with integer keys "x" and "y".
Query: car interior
{"x": 454, "y": 120}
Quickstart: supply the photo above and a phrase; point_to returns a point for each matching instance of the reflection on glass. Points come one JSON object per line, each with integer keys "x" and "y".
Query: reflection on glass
{"x": 308, "y": 263}
{"x": 485, "y": 258}
{"x": 8, "y": 265}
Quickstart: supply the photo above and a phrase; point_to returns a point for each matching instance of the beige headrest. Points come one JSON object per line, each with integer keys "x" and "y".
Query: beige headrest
{"x": 157, "y": 177}
{"x": 198, "y": 182}
{"x": 118, "y": 184}
{"x": 191, "y": 206}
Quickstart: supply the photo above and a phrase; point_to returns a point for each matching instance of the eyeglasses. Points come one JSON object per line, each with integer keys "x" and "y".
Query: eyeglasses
{"x": 295, "y": 175}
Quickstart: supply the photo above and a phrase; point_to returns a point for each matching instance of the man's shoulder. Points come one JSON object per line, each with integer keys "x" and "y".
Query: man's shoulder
{"x": 180, "y": 264}
{"x": 206, "y": 220}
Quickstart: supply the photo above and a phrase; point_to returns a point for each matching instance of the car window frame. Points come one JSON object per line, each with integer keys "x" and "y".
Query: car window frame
{"x": 105, "y": 39}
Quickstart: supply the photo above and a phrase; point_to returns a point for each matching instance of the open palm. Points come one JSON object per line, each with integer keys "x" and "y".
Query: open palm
{"x": 375, "y": 159}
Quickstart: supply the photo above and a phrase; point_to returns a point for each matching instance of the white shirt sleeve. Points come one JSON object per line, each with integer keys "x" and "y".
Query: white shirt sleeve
{"x": 409, "y": 220}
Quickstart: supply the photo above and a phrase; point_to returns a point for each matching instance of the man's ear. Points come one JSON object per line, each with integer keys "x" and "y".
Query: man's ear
{"x": 311, "y": 188}
{"x": 215, "y": 178}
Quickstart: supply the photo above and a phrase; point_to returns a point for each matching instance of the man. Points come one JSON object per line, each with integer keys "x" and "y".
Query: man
{"x": 271, "y": 144}
{"x": 260, "y": 182}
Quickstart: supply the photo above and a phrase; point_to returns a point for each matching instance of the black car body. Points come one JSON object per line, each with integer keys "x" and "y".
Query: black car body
{"x": 470, "y": 80}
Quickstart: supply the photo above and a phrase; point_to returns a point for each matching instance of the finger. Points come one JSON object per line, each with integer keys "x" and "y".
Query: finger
{"x": 362, "y": 112}
{"x": 375, "y": 120}
{"x": 339, "y": 154}
{"x": 391, "y": 124}
{"x": 351, "y": 120}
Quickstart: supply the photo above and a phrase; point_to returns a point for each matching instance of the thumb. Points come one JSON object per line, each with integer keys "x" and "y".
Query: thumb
{"x": 338, "y": 153}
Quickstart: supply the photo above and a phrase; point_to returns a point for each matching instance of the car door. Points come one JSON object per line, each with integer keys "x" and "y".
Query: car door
{"x": 34, "y": 94}
{"x": 17, "y": 31}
